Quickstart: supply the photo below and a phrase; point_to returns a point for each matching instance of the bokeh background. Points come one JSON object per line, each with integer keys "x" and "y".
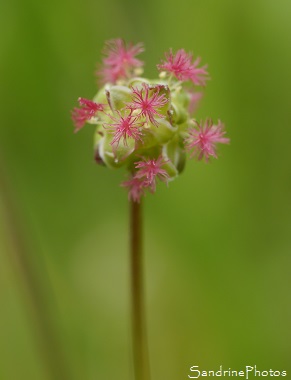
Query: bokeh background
{"x": 217, "y": 241}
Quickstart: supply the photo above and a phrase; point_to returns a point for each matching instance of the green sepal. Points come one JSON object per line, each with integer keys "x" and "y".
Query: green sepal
{"x": 174, "y": 151}
{"x": 118, "y": 97}
{"x": 100, "y": 97}
{"x": 179, "y": 113}
{"x": 137, "y": 82}
{"x": 181, "y": 97}
{"x": 170, "y": 169}
{"x": 116, "y": 156}
{"x": 163, "y": 132}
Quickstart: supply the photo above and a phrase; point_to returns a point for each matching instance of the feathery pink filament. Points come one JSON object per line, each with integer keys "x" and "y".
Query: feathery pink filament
{"x": 88, "y": 110}
{"x": 119, "y": 61}
{"x": 181, "y": 66}
{"x": 125, "y": 127}
{"x": 202, "y": 142}
{"x": 150, "y": 169}
{"x": 136, "y": 188}
{"x": 147, "y": 101}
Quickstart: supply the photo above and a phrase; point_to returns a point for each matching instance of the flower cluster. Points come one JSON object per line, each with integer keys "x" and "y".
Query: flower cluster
{"x": 147, "y": 125}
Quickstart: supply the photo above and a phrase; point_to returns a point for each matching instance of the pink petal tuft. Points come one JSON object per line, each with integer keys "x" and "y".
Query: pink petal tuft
{"x": 202, "y": 141}
{"x": 88, "y": 110}
{"x": 181, "y": 66}
{"x": 119, "y": 61}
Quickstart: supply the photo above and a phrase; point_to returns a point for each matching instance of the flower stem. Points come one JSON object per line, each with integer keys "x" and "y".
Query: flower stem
{"x": 139, "y": 338}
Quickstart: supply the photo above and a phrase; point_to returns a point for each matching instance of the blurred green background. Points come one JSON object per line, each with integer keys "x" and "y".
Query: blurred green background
{"x": 217, "y": 241}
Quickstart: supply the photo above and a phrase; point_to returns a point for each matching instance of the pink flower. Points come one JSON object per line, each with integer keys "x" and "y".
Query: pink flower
{"x": 125, "y": 127}
{"x": 118, "y": 53}
{"x": 148, "y": 103}
{"x": 145, "y": 177}
{"x": 182, "y": 67}
{"x": 202, "y": 141}
{"x": 149, "y": 170}
{"x": 88, "y": 110}
{"x": 136, "y": 188}
{"x": 120, "y": 60}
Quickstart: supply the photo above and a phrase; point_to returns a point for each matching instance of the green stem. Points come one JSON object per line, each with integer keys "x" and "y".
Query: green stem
{"x": 139, "y": 339}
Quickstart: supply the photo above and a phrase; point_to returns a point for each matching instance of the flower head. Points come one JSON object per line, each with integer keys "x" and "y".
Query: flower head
{"x": 181, "y": 66}
{"x": 145, "y": 125}
{"x": 119, "y": 61}
{"x": 202, "y": 141}
{"x": 125, "y": 127}
{"x": 88, "y": 110}
{"x": 147, "y": 101}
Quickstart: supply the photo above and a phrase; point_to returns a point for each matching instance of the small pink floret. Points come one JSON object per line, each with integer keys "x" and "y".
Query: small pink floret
{"x": 88, "y": 110}
{"x": 149, "y": 170}
{"x": 120, "y": 60}
{"x": 136, "y": 188}
{"x": 181, "y": 66}
{"x": 202, "y": 141}
{"x": 147, "y": 101}
{"x": 125, "y": 127}
{"x": 119, "y": 53}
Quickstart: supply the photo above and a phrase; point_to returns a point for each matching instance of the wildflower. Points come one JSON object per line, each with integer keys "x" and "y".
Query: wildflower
{"x": 88, "y": 110}
{"x": 119, "y": 61}
{"x": 148, "y": 101}
{"x": 202, "y": 141}
{"x": 145, "y": 125}
{"x": 124, "y": 127}
{"x": 181, "y": 66}
{"x": 150, "y": 169}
